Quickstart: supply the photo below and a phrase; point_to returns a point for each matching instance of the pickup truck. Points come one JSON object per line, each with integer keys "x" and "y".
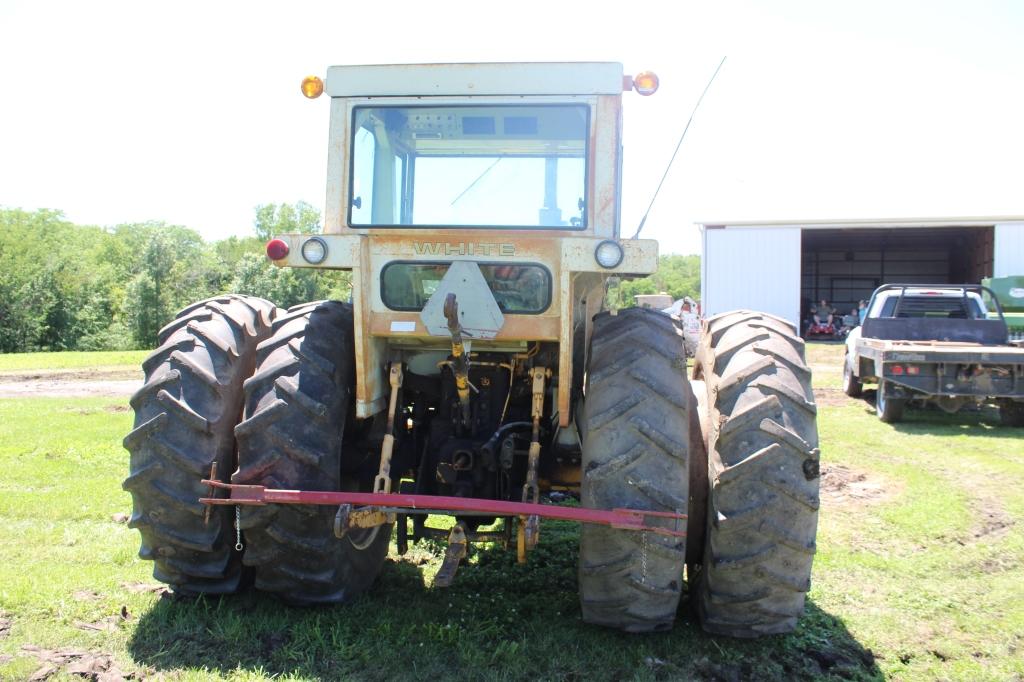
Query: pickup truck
{"x": 935, "y": 344}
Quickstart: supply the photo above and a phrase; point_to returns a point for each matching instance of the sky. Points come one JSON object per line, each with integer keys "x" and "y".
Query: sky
{"x": 190, "y": 112}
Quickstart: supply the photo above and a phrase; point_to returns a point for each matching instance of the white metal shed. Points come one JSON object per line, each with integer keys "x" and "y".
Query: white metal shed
{"x": 781, "y": 267}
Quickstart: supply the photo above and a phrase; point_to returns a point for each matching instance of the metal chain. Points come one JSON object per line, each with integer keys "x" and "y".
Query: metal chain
{"x": 643, "y": 556}
{"x": 238, "y": 529}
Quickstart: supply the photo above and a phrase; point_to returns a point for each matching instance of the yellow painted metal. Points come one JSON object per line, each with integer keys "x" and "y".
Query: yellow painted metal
{"x": 529, "y": 527}
{"x": 576, "y": 277}
{"x": 382, "y": 483}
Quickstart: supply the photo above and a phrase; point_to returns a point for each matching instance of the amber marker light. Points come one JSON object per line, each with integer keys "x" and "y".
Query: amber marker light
{"x": 312, "y": 87}
{"x": 277, "y": 249}
{"x": 646, "y": 83}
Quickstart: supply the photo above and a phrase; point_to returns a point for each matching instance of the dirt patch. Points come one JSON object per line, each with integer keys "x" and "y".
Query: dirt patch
{"x": 843, "y": 486}
{"x": 996, "y": 565}
{"x": 80, "y": 374}
{"x": 139, "y": 588}
{"x": 87, "y": 595}
{"x": 60, "y": 388}
{"x": 108, "y": 624}
{"x": 100, "y": 382}
{"x": 79, "y": 662}
{"x": 993, "y": 523}
{"x": 991, "y": 520}
{"x": 831, "y": 397}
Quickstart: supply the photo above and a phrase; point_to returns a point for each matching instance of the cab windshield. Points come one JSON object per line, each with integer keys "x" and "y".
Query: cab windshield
{"x": 469, "y": 166}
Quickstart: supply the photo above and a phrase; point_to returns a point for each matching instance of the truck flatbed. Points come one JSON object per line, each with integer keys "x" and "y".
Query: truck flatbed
{"x": 934, "y": 343}
{"x": 939, "y": 351}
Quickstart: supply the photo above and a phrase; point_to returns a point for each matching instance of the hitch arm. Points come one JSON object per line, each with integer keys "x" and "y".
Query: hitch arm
{"x": 625, "y": 519}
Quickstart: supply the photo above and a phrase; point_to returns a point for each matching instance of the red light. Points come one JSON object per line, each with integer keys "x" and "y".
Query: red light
{"x": 277, "y": 249}
{"x": 896, "y": 369}
{"x": 913, "y": 370}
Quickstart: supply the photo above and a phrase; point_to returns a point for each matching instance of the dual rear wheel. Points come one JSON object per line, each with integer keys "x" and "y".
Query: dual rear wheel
{"x": 263, "y": 393}
{"x": 758, "y": 527}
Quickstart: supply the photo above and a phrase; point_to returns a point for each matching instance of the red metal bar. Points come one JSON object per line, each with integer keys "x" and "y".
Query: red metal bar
{"x": 627, "y": 519}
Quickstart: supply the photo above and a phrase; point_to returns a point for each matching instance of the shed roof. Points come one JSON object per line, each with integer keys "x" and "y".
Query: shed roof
{"x": 867, "y": 223}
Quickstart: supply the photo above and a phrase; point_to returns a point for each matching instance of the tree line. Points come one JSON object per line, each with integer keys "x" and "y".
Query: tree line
{"x": 677, "y": 276}
{"x": 78, "y": 287}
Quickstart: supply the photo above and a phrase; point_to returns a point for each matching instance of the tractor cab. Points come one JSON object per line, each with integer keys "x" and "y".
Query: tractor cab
{"x": 509, "y": 170}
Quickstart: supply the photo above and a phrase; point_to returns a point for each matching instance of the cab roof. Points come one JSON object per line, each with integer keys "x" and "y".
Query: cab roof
{"x": 509, "y": 78}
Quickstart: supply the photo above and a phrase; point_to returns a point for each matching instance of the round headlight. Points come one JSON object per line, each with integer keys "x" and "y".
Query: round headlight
{"x": 314, "y": 250}
{"x": 608, "y": 254}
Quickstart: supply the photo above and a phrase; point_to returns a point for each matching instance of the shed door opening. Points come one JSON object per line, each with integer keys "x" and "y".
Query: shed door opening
{"x": 845, "y": 266}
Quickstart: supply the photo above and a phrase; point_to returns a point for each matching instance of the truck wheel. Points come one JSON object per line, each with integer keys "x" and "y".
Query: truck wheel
{"x": 763, "y": 463}
{"x": 889, "y": 410}
{"x": 290, "y": 437}
{"x": 1011, "y": 413}
{"x": 185, "y": 415}
{"x": 852, "y": 386}
{"x": 635, "y": 430}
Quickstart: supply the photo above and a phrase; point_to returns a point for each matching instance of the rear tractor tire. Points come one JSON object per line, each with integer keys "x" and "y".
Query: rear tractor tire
{"x": 763, "y": 477}
{"x": 635, "y": 432}
{"x": 296, "y": 405}
{"x": 185, "y": 415}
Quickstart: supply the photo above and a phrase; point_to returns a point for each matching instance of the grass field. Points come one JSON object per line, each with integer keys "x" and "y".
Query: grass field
{"x": 919, "y": 574}
{"x": 128, "y": 360}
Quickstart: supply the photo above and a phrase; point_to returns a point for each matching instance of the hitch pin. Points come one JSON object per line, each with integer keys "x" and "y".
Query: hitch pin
{"x": 212, "y": 493}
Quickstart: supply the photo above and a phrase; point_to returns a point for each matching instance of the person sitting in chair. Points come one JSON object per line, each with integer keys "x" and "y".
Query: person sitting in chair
{"x": 850, "y": 322}
{"x": 822, "y": 313}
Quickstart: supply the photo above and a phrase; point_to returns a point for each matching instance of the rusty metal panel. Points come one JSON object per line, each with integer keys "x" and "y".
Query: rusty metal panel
{"x": 640, "y": 256}
{"x": 603, "y": 191}
{"x": 337, "y": 168}
{"x": 343, "y": 251}
{"x": 565, "y": 349}
{"x": 407, "y": 325}
{"x": 371, "y": 385}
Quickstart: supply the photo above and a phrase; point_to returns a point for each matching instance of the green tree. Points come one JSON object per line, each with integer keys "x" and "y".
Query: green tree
{"x": 285, "y": 287}
{"x": 275, "y": 219}
{"x": 677, "y": 276}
